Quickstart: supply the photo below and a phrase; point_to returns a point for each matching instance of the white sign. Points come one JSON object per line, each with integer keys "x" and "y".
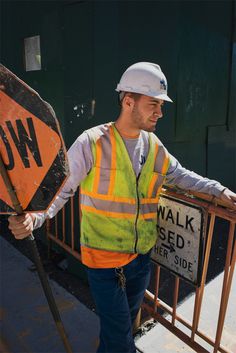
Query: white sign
{"x": 180, "y": 242}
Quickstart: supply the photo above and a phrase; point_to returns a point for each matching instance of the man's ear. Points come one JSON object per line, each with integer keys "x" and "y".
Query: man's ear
{"x": 128, "y": 102}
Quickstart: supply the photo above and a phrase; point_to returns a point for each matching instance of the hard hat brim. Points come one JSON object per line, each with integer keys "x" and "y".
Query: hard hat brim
{"x": 164, "y": 97}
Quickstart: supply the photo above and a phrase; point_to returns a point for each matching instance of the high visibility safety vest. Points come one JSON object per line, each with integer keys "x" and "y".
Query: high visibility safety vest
{"x": 119, "y": 210}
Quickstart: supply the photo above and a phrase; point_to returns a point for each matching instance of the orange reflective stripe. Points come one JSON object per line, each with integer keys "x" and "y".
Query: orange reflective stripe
{"x": 149, "y": 215}
{"x": 152, "y": 184}
{"x": 109, "y": 197}
{"x": 98, "y": 164}
{"x": 113, "y": 162}
{"x": 156, "y": 150}
{"x": 154, "y": 177}
{"x": 107, "y": 213}
{"x": 159, "y": 189}
{"x": 151, "y": 200}
{"x": 161, "y": 167}
{"x": 165, "y": 166}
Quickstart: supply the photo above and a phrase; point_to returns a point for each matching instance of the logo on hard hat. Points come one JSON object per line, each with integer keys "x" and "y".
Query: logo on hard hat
{"x": 163, "y": 85}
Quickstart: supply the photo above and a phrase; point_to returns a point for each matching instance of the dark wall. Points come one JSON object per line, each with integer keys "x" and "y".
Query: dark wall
{"x": 86, "y": 46}
{"x": 21, "y": 19}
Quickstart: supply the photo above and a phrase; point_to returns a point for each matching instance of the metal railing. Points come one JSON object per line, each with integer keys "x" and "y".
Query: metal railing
{"x": 215, "y": 208}
{"x": 64, "y": 234}
{"x": 61, "y": 229}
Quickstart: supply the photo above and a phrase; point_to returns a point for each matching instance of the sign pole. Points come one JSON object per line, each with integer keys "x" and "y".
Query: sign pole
{"x": 37, "y": 260}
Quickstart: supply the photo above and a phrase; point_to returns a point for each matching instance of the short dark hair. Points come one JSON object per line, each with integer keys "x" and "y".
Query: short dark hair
{"x": 133, "y": 95}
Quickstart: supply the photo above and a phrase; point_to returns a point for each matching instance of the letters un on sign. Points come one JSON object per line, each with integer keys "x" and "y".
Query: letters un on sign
{"x": 181, "y": 230}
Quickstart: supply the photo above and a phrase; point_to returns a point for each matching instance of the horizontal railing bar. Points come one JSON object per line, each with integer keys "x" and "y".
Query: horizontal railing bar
{"x": 162, "y": 305}
{"x": 75, "y": 253}
{"x": 218, "y": 210}
{"x": 183, "y": 336}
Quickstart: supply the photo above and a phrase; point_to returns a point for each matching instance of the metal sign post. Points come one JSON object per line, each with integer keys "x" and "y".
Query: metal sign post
{"x": 32, "y": 153}
{"x": 181, "y": 228}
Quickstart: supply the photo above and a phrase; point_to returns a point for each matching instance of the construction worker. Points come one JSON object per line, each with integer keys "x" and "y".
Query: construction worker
{"x": 121, "y": 167}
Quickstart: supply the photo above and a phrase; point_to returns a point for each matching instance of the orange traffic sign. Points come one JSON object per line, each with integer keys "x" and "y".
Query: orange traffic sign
{"x": 31, "y": 146}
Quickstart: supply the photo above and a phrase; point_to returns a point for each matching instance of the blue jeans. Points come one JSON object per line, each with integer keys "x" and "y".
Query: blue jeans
{"x": 117, "y": 307}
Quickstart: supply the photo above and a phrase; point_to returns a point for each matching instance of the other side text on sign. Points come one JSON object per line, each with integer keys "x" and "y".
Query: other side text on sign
{"x": 180, "y": 238}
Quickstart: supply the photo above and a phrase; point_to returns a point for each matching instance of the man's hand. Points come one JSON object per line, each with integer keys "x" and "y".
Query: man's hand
{"x": 229, "y": 197}
{"x": 22, "y": 225}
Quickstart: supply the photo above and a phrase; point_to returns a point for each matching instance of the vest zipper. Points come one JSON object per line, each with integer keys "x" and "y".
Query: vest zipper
{"x": 137, "y": 214}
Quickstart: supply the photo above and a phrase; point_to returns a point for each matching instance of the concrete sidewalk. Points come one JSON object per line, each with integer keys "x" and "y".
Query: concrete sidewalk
{"x": 26, "y": 324}
{"x": 160, "y": 340}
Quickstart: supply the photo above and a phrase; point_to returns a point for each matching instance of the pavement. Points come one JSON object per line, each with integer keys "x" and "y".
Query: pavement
{"x": 26, "y": 323}
{"x": 160, "y": 340}
{"x": 27, "y": 326}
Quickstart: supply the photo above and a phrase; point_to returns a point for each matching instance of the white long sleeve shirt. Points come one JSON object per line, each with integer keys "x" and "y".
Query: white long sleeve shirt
{"x": 81, "y": 161}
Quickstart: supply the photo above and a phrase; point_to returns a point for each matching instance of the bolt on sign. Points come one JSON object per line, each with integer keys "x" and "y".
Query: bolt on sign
{"x": 31, "y": 146}
{"x": 181, "y": 229}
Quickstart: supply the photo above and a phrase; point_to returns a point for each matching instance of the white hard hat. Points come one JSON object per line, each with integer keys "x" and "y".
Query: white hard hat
{"x": 144, "y": 78}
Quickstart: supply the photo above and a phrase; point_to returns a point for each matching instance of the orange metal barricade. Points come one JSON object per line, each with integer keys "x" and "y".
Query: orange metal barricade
{"x": 214, "y": 210}
{"x": 57, "y": 228}
{"x": 153, "y": 305}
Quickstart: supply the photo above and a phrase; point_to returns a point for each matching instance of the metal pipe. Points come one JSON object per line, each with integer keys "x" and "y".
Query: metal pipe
{"x": 175, "y": 299}
{"x": 36, "y": 258}
{"x": 226, "y": 285}
{"x": 157, "y": 281}
{"x": 200, "y": 290}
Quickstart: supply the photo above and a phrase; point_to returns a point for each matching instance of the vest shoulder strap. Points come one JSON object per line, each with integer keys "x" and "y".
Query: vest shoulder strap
{"x": 97, "y": 132}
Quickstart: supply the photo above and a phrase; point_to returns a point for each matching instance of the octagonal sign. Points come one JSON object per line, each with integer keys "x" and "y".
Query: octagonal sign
{"x": 31, "y": 146}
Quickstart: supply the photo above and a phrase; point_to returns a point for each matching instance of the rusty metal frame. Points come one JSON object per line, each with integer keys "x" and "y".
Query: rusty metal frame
{"x": 215, "y": 208}
{"x": 58, "y": 236}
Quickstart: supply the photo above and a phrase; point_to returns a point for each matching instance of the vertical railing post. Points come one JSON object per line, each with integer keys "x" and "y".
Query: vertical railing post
{"x": 228, "y": 276}
{"x": 175, "y": 299}
{"x": 200, "y": 290}
{"x": 157, "y": 281}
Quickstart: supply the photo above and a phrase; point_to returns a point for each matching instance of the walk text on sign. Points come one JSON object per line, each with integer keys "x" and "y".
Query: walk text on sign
{"x": 175, "y": 217}
{"x": 180, "y": 229}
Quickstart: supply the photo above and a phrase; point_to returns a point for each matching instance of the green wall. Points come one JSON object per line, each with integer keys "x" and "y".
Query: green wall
{"x": 87, "y": 45}
{"x": 21, "y": 19}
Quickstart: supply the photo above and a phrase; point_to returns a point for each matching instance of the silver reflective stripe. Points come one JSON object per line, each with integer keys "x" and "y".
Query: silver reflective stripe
{"x": 107, "y": 205}
{"x": 160, "y": 159}
{"x": 158, "y": 183}
{"x": 148, "y": 208}
{"x": 105, "y": 167}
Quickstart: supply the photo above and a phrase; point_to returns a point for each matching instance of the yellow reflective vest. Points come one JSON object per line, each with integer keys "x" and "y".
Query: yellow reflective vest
{"x": 119, "y": 210}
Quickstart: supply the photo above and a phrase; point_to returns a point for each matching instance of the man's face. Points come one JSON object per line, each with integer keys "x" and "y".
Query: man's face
{"x": 146, "y": 112}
